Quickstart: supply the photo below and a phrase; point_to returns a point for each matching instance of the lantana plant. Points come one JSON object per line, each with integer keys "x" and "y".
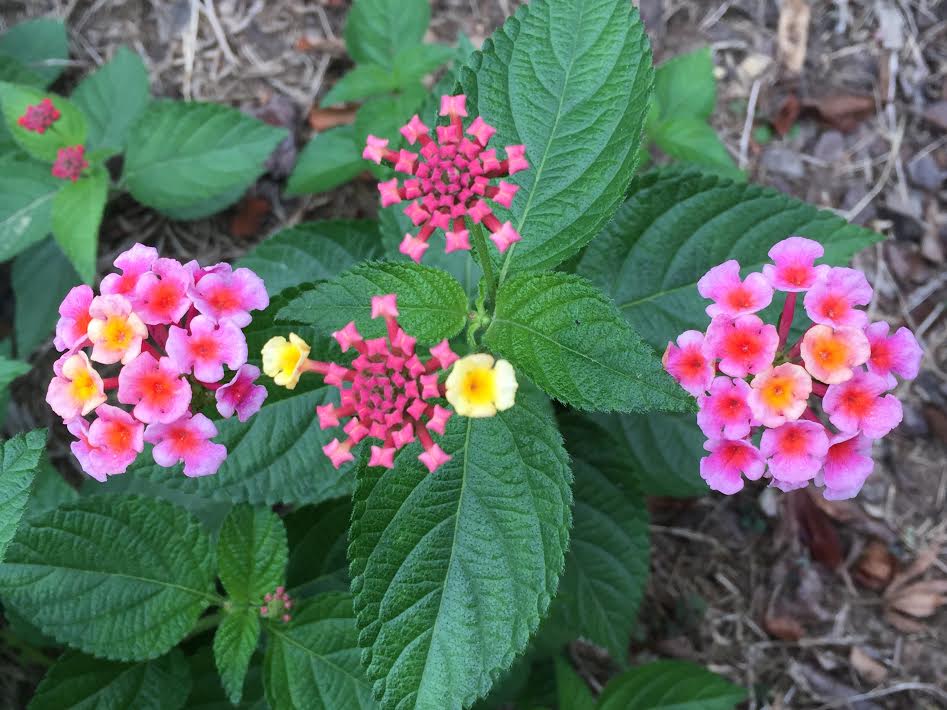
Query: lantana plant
{"x": 405, "y": 456}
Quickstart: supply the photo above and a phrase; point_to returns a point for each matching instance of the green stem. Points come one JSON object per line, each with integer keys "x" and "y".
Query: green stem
{"x": 506, "y": 263}
{"x": 29, "y": 653}
{"x": 206, "y": 624}
{"x": 483, "y": 253}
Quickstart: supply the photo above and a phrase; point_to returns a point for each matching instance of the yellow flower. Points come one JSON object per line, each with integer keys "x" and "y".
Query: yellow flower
{"x": 284, "y": 360}
{"x": 478, "y": 386}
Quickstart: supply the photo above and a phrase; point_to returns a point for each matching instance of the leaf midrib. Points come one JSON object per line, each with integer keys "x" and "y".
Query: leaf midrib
{"x": 311, "y": 652}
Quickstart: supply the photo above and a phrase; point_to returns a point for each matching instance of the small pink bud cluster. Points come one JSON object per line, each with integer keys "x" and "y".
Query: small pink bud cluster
{"x": 820, "y": 402}
{"x": 450, "y": 179}
{"x": 40, "y": 117}
{"x": 277, "y": 606}
{"x": 70, "y": 162}
{"x": 165, "y": 330}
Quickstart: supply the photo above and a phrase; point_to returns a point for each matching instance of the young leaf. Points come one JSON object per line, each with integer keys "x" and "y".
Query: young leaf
{"x": 331, "y": 158}
{"x": 119, "y": 577}
{"x": 684, "y": 86}
{"x": 363, "y": 81}
{"x": 77, "y": 214}
{"x": 570, "y": 79}
{"x": 41, "y": 278}
{"x": 571, "y": 341}
{"x": 187, "y": 155}
{"x": 10, "y": 370}
{"x": 670, "y": 685}
{"x": 317, "y": 542}
{"x": 234, "y": 643}
{"x": 40, "y": 45}
{"x": 19, "y": 459}
{"x": 413, "y": 63}
{"x": 79, "y": 682}
{"x": 433, "y": 306}
{"x": 15, "y": 73}
{"x": 113, "y": 97}
{"x": 313, "y": 662}
{"x": 571, "y": 690}
{"x": 70, "y": 127}
{"x": 312, "y": 251}
{"x": 376, "y": 30}
{"x": 252, "y": 553}
{"x": 451, "y": 572}
{"x": 678, "y": 224}
{"x": 27, "y": 190}
{"x": 207, "y": 692}
{"x": 692, "y": 140}
{"x": 607, "y": 562}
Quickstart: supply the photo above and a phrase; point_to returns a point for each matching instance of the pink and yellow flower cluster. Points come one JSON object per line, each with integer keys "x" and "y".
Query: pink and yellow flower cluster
{"x": 819, "y": 403}
{"x": 155, "y": 339}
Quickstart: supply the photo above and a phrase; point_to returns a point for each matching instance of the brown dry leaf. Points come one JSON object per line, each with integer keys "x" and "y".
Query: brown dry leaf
{"x": 920, "y": 565}
{"x": 784, "y": 628}
{"x": 314, "y": 43}
{"x": 921, "y": 599}
{"x": 841, "y": 111}
{"x": 787, "y": 115}
{"x": 793, "y": 34}
{"x": 249, "y": 216}
{"x": 903, "y": 623}
{"x": 866, "y": 666}
{"x": 816, "y": 530}
{"x": 322, "y": 119}
{"x": 875, "y": 567}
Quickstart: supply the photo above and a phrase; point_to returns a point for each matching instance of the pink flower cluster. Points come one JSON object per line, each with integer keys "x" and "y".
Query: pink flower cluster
{"x": 450, "y": 179}
{"x": 40, "y": 117}
{"x": 820, "y": 402}
{"x": 165, "y": 330}
{"x": 70, "y": 161}
{"x": 277, "y": 605}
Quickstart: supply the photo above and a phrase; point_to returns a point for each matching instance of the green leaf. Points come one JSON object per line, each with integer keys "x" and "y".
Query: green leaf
{"x": 608, "y": 560}
{"x": 15, "y": 73}
{"x": 113, "y": 98}
{"x": 120, "y": 577}
{"x": 691, "y": 140}
{"x": 572, "y": 691}
{"x": 384, "y": 116}
{"x": 362, "y": 82}
{"x": 570, "y": 79}
{"x": 50, "y": 490}
{"x": 19, "y": 459}
{"x": 414, "y": 63}
{"x": 78, "y": 682}
{"x": 26, "y": 196}
{"x": 77, "y": 214}
{"x": 317, "y": 544}
{"x": 70, "y": 127}
{"x": 186, "y": 155}
{"x": 331, "y": 158}
{"x": 571, "y": 341}
{"x": 670, "y": 685}
{"x": 678, "y": 224}
{"x": 312, "y": 251}
{"x": 40, "y": 45}
{"x": 376, "y": 30}
{"x": 313, "y": 662}
{"x": 252, "y": 553}
{"x": 207, "y": 692}
{"x": 452, "y": 571}
{"x": 10, "y": 370}
{"x": 433, "y": 306}
{"x": 234, "y": 643}
{"x": 684, "y": 86}
{"x": 41, "y": 278}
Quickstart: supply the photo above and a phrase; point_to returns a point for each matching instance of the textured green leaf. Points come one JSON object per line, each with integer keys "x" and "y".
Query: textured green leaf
{"x": 77, "y": 214}
{"x": 113, "y": 97}
{"x": 572, "y": 342}
{"x": 433, "y": 306}
{"x": 684, "y": 86}
{"x": 182, "y": 155}
{"x": 312, "y": 251}
{"x": 678, "y": 224}
{"x": 50, "y": 490}
{"x": 571, "y": 80}
{"x": 317, "y": 543}
{"x": 41, "y": 278}
{"x": 670, "y": 685}
{"x": 607, "y": 562}
{"x": 19, "y": 459}
{"x": 26, "y": 196}
{"x": 79, "y": 682}
{"x": 571, "y": 690}
{"x": 10, "y": 370}
{"x": 331, "y": 158}
{"x": 452, "y": 571}
{"x": 413, "y": 63}
{"x": 207, "y": 692}
{"x": 40, "y": 45}
{"x": 252, "y": 553}
{"x": 234, "y": 643}
{"x": 376, "y": 30}
{"x": 384, "y": 116}
{"x": 692, "y": 140}
{"x": 120, "y": 577}
{"x": 70, "y": 127}
{"x": 312, "y": 662}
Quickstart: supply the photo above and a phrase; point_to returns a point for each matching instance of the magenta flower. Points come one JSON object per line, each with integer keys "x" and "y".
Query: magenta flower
{"x": 74, "y": 317}
{"x": 223, "y": 294}
{"x": 133, "y": 263}
{"x": 793, "y": 268}
{"x": 161, "y": 294}
{"x": 893, "y": 354}
{"x": 688, "y": 362}
{"x": 847, "y": 466}
{"x": 241, "y": 395}
{"x": 450, "y": 180}
{"x": 728, "y": 462}
{"x": 745, "y": 345}
{"x": 187, "y": 439}
{"x": 39, "y": 117}
{"x": 725, "y": 412}
{"x": 860, "y": 404}
{"x": 780, "y": 394}
{"x": 108, "y": 445}
{"x": 795, "y": 451}
{"x": 832, "y": 300}
{"x": 70, "y": 162}
{"x": 731, "y": 296}
{"x": 156, "y": 388}
{"x": 206, "y": 348}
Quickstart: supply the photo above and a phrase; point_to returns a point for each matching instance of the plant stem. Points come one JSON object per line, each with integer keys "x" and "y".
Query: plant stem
{"x": 206, "y": 624}
{"x": 785, "y": 320}
{"x": 483, "y": 253}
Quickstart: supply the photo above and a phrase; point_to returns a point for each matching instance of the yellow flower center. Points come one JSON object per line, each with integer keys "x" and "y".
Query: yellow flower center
{"x": 83, "y": 386}
{"x": 479, "y": 386}
{"x": 289, "y": 358}
{"x": 778, "y": 392}
{"x": 117, "y": 333}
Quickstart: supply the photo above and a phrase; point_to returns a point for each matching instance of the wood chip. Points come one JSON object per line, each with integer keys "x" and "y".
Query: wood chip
{"x": 793, "y": 34}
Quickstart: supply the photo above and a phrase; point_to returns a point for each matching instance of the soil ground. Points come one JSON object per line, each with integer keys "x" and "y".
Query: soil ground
{"x": 844, "y": 104}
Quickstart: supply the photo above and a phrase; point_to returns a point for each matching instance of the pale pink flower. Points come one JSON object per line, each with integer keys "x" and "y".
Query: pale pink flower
{"x": 725, "y": 412}
{"x": 832, "y": 300}
{"x": 206, "y": 347}
{"x": 745, "y": 345}
{"x": 187, "y": 439}
{"x": 861, "y": 404}
{"x": 897, "y": 354}
{"x": 847, "y": 466}
{"x": 133, "y": 263}
{"x": 795, "y": 451}
{"x": 77, "y": 388}
{"x": 780, "y": 394}
{"x": 729, "y": 462}
{"x": 731, "y": 296}
{"x": 794, "y": 268}
{"x": 115, "y": 330}
{"x": 115, "y": 438}
{"x": 161, "y": 295}
{"x": 241, "y": 395}
{"x": 831, "y": 355}
{"x": 689, "y": 362}
{"x": 230, "y": 295}
{"x": 155, "y": 387}
{"x": 72, "y": 328}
